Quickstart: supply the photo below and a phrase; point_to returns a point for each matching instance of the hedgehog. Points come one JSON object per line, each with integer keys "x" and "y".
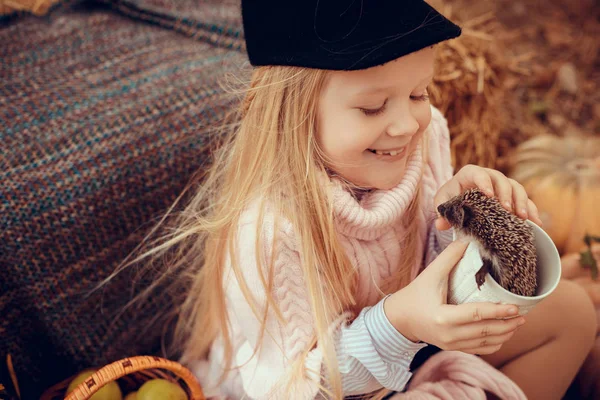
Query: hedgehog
{"x": 505, "y": 241}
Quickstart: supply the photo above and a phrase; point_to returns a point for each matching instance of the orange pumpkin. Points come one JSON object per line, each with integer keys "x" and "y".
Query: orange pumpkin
{"x": 562, "y": 177}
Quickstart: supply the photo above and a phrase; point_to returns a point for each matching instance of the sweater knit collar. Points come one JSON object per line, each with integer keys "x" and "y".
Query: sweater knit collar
{"x": 375, "y": 212}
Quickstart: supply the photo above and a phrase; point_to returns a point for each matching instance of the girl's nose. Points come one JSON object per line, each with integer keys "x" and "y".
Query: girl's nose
{"x": 407, "y": 125}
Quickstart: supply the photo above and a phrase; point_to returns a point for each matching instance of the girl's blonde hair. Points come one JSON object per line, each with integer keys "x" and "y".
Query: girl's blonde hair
{"x": 271, "y": 154}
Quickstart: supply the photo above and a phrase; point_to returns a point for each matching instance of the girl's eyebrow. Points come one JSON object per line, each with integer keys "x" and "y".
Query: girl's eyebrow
{"x": 378, "y": 89}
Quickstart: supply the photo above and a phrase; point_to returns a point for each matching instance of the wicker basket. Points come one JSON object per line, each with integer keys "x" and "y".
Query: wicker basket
{"x": 132, "y": 373}
{"x": 37, "y": 7}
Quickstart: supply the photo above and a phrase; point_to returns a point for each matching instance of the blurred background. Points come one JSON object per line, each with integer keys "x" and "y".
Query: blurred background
{"x": 523, "y": 68}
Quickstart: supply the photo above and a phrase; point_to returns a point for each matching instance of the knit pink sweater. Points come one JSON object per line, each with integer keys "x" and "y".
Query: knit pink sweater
{"x": 371, "y": 353}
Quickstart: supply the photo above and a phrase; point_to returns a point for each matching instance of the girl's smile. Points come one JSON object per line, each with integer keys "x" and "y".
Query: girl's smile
{"x": 393, "y": 152}
{"x": 389, "y": 156}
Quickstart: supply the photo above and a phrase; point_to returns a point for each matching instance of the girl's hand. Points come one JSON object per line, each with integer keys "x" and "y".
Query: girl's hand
{"x": 419, "y": 311}
{"x": 509, "y": 192}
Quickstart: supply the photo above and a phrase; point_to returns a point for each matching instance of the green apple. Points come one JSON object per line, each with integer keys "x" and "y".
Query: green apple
{"x": 110, "y": 391}
{"x": 131, "y": 396}
{"x": 161, "y": 389}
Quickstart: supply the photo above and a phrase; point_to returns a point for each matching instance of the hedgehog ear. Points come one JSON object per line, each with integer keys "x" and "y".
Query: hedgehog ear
{"x": 466, "y": 215}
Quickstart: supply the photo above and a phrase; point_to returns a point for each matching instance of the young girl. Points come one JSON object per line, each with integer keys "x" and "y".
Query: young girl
{"x": 306, "y": 243}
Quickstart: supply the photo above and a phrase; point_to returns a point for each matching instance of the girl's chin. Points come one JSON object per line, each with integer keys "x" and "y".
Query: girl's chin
{"x": 391, "y": 182}
{"x": 375, "y": 179}
{"x": 381, "y": 184}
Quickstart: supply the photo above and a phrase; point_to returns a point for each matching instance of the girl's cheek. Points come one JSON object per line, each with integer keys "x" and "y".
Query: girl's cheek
{"x": 425, "y": 117}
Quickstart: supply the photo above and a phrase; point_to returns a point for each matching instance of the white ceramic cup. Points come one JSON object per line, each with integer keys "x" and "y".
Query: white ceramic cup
{"x": 462, "y": 287}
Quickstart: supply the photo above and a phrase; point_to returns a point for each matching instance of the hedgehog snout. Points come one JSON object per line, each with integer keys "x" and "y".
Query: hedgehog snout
{"x": 442, "y": 208}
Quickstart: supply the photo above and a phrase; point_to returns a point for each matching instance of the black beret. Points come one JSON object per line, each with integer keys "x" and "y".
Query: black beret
{"x": 340, "y": 34}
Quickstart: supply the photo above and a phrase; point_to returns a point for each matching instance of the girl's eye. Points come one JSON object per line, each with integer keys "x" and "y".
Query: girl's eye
{"x": 374, "y": 111}
{"x": 423, "y": 97}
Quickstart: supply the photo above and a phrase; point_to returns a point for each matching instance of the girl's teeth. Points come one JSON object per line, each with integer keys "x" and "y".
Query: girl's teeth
{"x": 390, "y": 153}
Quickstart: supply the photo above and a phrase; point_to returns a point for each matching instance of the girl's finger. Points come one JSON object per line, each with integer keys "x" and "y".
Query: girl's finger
{"x": 483, "y": 342}
{"x": 533, "y": 213}
{"x": 441, "y": 224}
{"x": 445, "y": 262}
{"x": 474, "y": 312}
{"x": 447, "y": 191}
{"x": 502, "y": 188}
{"x": 519, "y": 198}
{"x": 471, "y": 176}
{"x": 483, "y": 329}
{"x": 483, "y": 350}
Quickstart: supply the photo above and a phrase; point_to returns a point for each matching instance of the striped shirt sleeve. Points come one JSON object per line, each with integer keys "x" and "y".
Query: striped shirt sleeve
{"x": 372, "y": 354}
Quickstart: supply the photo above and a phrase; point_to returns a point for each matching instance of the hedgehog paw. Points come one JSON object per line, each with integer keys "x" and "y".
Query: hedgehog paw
{"x": 480, "y": 277}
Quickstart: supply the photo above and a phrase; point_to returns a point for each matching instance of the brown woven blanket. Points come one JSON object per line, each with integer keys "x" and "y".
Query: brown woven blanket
{"x": 103, "y": 117}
